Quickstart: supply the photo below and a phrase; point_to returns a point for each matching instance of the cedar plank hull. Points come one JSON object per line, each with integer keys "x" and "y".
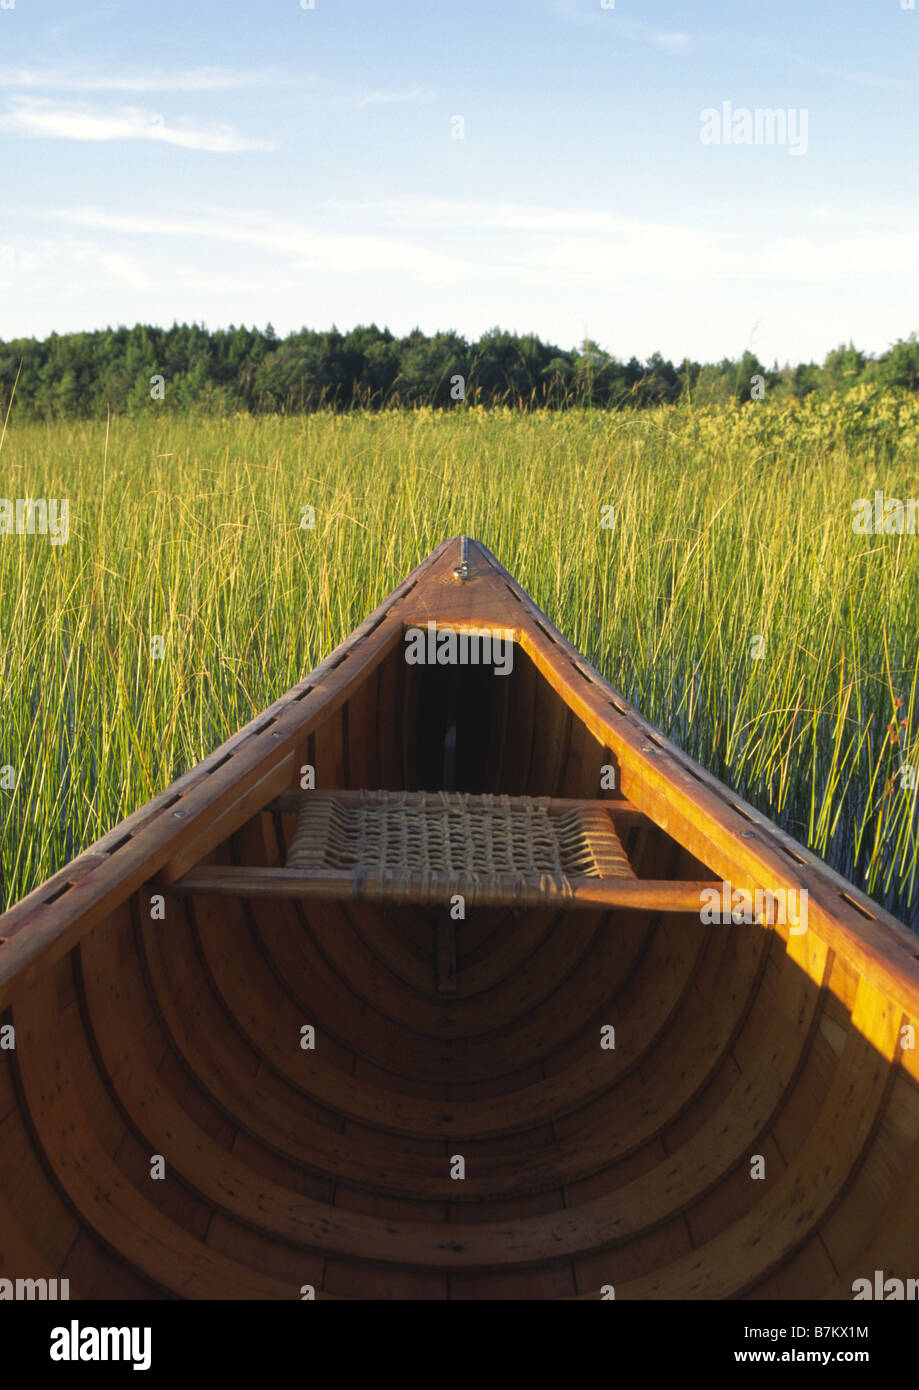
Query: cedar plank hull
{"x": 587, "y": 1168}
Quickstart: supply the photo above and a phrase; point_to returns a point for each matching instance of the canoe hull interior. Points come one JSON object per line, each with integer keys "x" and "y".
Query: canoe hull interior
{"x": 238, "y": 1096}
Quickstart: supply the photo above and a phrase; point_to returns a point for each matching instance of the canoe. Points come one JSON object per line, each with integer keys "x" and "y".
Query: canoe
{"x": 449, "y": 976}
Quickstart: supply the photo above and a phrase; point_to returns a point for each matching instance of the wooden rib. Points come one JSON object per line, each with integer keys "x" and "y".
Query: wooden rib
{"x": 358, "y": 1003}
{"x": 666, "y": 970}
{"x": 227, "y": 1183}
{"x": 809, "y": 1187}
{"x": 446, "y": 956}
{"x": 519, "y": 751}
{"x": 95, "y": 1186}
{"x": 383, "y": 939}
{"x": 19, "y": 1257}
{"x": 534, "y": 1104}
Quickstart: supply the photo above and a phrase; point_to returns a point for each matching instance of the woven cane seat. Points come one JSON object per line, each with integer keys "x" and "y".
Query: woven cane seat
{"x": 494, "y": 847}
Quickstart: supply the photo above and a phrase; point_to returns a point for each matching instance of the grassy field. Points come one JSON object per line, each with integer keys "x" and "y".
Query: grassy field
{"x": 732, "y": 525}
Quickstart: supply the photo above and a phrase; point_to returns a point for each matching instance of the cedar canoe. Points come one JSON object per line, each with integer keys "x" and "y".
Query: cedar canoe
{"x": 410, "y": 990}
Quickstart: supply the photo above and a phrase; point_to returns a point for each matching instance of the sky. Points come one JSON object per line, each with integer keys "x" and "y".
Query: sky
{"x": 570, "y": 168}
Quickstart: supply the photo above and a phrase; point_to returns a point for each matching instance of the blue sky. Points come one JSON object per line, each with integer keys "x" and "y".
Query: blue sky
{"x": 253, "y": 162}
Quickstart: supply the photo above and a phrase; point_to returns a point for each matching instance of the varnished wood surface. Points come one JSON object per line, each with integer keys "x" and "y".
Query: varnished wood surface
{"x": 479, "y": 1039}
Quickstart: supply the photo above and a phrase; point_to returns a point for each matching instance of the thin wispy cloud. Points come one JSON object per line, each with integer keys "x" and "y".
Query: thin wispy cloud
{"x": 40, "y": 117}
{"x": 586, "y": 246}
{"x": 861, "y": 79}
{"x": 43, "y": 258}
{"x": 674, "y": 43}
{"x": 308, "y": 247}
{"x": 618, "y": 25}
{"x": 122, "y": 269}
{"x": 207, "y": 79}
{"x": 415, "y": 97}
{"x": 444, "y": 212}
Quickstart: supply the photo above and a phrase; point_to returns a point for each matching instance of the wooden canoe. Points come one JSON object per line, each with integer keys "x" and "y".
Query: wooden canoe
{"x": 257, "y": 1050}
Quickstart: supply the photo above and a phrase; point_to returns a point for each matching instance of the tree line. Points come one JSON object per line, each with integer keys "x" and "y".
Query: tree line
{"x": 87, "y": 375}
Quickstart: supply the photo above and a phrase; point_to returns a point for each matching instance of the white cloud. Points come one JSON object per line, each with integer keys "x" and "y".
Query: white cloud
{"x": 861, "y": 79}
{"x": 47, "y": 257}
{"x": 506, "y": 216}
{"x": 674, "y": 43}
{"x": 190, "y": 80}
{"x": 692, "y": 287}
{"x": 580, "y": 244}
{"x": 413, "y": 98}
{"x": 121, "y": 268}
{"x": 344, "y": 253}
{"x": 44, "y": 118}
{"x": 617, "y": 25}
{"x": 587, "y": 255}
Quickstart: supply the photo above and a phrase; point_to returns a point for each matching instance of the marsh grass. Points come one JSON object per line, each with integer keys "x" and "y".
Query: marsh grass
{"x": 732, "y": 523}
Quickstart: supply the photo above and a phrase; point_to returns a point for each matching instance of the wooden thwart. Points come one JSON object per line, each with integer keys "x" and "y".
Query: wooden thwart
{"x": 426, "y": 848}
{"x": 660, "y": 895}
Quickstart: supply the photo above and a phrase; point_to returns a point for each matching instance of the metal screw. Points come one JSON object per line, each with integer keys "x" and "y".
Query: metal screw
{"x": 461, "y": 571}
